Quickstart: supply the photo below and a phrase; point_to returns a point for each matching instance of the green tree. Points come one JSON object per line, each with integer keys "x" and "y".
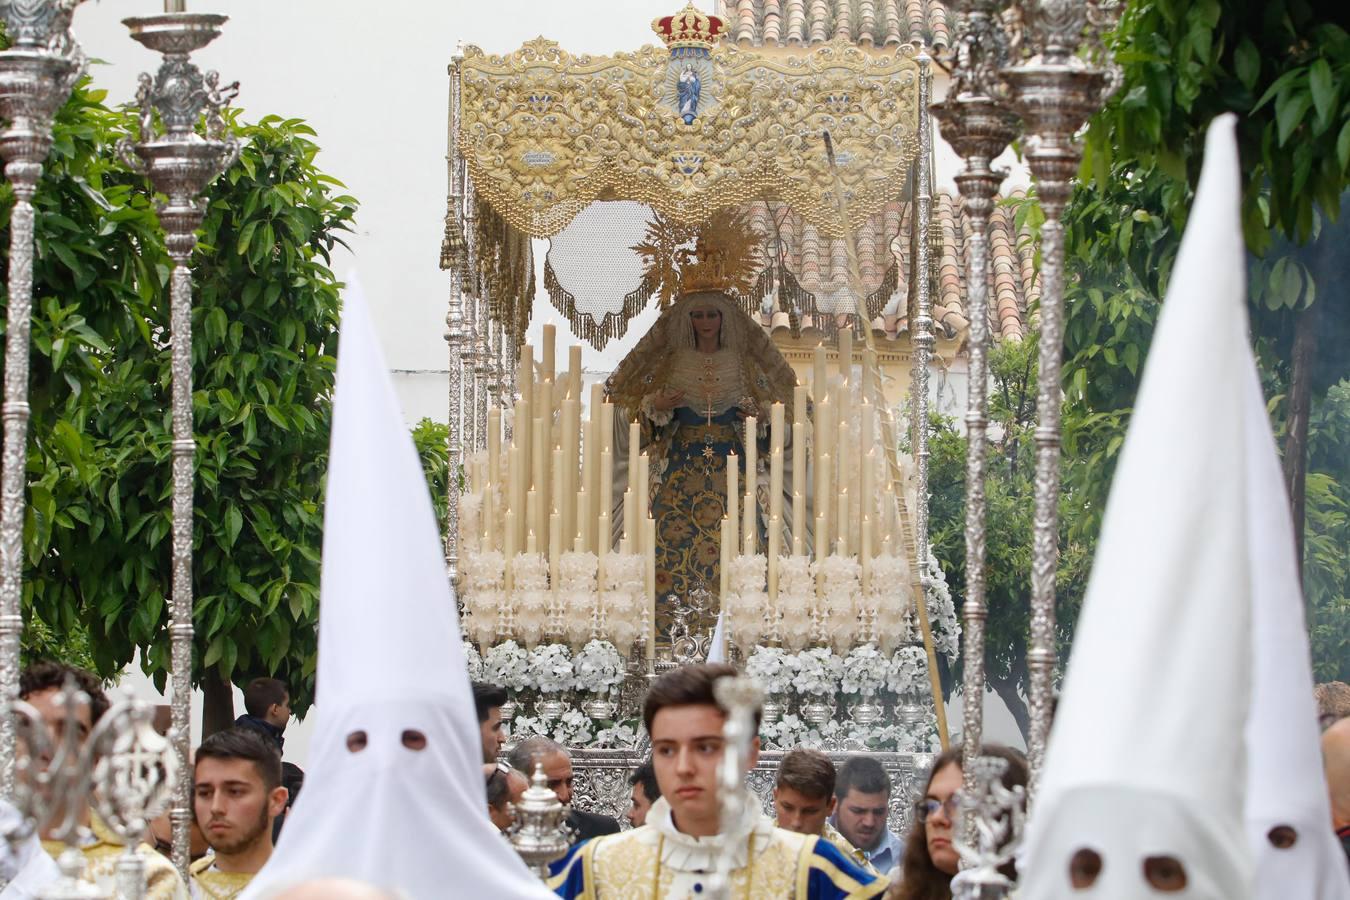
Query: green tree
{"x": 265, "y": 326}
{"x": 432, "y": 440}
{"x": 1009, "y": 493}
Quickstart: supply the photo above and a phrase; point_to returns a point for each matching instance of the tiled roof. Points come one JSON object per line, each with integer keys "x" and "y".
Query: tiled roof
{"x": 820, "y": 267}
{"x": 868, "y": 23}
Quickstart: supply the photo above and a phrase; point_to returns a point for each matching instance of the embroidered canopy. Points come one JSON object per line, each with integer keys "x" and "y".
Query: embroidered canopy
{"x": 545, "y": 133}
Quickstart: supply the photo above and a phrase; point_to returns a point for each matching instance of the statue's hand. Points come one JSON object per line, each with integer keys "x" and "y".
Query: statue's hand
{"x": 667, "y": 400}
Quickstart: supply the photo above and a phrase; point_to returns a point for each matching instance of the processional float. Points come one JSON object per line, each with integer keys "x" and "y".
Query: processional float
{"x": 538, "y": 135}
{"x": 124, "y": 769}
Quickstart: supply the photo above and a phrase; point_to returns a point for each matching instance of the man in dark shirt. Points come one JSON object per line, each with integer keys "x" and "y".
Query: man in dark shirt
{"x": 267, "y": 709}
{"x": 557, "y": 763}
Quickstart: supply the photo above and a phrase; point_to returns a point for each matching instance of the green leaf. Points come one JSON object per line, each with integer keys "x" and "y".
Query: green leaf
{"x": 1247, "y": 60}
{"x": 1323, "y": 89}
{"x": 1343, "y": 146}
{"x": 1289, "y": 113}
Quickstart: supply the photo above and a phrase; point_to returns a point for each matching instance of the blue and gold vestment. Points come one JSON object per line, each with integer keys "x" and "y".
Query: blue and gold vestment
{"x": 657, "y": 862}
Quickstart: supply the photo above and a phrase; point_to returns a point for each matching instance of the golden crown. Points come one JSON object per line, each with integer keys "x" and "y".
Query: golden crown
{"x": 690, "y": 27}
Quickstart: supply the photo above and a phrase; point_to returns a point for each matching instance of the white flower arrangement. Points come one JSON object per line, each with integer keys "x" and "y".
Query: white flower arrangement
{"x": 907, "y": 670}
{"x": 473, "y": 661}
{"x": 747, "y": 573}
{"x": 470, "y": 520}
{"x": 550, "y": 668}
{"x": 482, "y": 571}
{"x": 573, "y": 729}
{"x": 772, "y": 669}
{"x": 865, "y": 671}
{"x": 620, "y": 735}
{"x": 942, "y": 611}
{"x": 796, "y": 599}
{"x": 784, "y": 734}
{"x": 598, "y": 667}
{"x": 817, "y": 671}
{"x": 507, "y": 664}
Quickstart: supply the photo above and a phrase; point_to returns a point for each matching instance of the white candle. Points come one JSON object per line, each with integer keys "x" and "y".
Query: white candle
{"x": 603, "y": 536}
{"x": 494, "y": 444}
{"x": 749, "y": 525}
{"x": 540, "y": 445}
{"x": 584, "y": 520}
{"x": 554, "y": 549}
{"x": 798, "y": 488}
{"x": 630, "y": 523}
{"x": 634, "y": 450}
{"x": 776, "y": 429}
{"x": 867, "y": 496}
{"x": 733, "y": 497}
{"x": 845, "y": 353}
{"x": 566, "y": 471}
{"x": 842, "y": 524}
{"x": 574, "y": 372}
{"x": 649, "y": 526}
{"x": 799, "y": 403}
{"x": 509, "y": 547}
{"x": 531, "y": 544}
{"x": 866, "y": 553}
{"x": 822, "y": 548}
{"x": 775, "y": 539}
{"x": 824, "y": 492}
{"x": 643, "y": 487}
{"x": 550, "y": 341}
{"x": 525, "y": 375}
{"x": 728, "y": 540}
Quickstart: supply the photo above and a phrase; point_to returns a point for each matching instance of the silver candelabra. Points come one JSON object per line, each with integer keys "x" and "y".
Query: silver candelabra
{"x": 740, "y": 696}
{"x": 977, "y": 122}
{"x": 124, "y": 769}
{"x": 37, "y": 74}
{"x": 180, "y": 161}
{"x": 992, "y": 818}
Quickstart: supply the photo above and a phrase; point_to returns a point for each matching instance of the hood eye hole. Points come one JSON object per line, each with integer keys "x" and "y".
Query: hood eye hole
{"x": 1165, "y": 873}
{"x": 1084, "y": 867}
{"x": 356, "y": 741}
{"x": 1282, "y": 837}
{"x": 413, "y": 739}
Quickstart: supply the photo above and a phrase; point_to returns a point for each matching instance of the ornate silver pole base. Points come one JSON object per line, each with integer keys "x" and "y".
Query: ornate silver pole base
{"x": 36, "y": 77}
{"x": 180, "y": 163}
{"x": 979, "y": 126}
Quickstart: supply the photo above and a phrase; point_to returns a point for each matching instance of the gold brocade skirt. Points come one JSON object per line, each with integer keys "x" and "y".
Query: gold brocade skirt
{"x": 688, "y": 508}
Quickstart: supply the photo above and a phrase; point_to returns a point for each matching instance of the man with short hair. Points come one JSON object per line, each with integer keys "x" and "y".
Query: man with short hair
{"x": 40, "y": 686}
{"x": 675, "y": 854}
{"x": 803, "y": 799}
{"x": 557, "y": 763}
{"x": 504, "y": 788}
{"x": 267, "y": 709}
{"x": 236, "y": 793}
{"x": 1336, "y": 760}
{"x": 488, "y": 700}
{"x": 645, "y": 792}
{"x": 863, "y": 792}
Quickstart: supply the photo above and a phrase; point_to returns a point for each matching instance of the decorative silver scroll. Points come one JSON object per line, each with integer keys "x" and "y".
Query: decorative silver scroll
{"x": 180, "y": 162}
{"x": 992, "y": 819}
{"x": 37, "y": 74}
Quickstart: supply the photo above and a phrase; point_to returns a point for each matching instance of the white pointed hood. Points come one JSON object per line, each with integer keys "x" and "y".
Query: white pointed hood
{"x": 390, "y": 662}
{"x": 1286, "y": 784}
{"x": 1146, "y": 759}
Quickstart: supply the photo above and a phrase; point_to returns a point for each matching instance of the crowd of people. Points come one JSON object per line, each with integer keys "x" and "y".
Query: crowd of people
{"x": 241, "y": 793}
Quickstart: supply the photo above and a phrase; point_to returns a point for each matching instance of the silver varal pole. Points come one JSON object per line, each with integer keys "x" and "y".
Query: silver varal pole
{"x": 180, "y": 163}
{"x": 37, "y": 73}
{"x": 454, "y": 337}
{"x": 979, "y": 126}
{"x": 1055, "y": 91}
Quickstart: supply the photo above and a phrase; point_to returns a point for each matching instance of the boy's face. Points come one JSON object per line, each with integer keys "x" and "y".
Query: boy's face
{"x": 687, "y": 747}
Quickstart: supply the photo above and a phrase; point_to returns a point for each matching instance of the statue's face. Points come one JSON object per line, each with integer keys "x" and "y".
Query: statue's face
{"x": 707, "y": 321}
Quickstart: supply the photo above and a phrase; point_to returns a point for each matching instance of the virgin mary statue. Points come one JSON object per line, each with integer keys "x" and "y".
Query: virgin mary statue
{"x": 691, "y": 382}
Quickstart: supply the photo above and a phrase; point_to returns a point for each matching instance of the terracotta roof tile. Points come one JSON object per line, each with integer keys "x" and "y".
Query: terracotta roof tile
{"x": 868, "y": 23}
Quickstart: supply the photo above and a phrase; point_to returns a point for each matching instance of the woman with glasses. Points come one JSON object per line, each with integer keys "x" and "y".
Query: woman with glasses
{"x": 930, "y": 860}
